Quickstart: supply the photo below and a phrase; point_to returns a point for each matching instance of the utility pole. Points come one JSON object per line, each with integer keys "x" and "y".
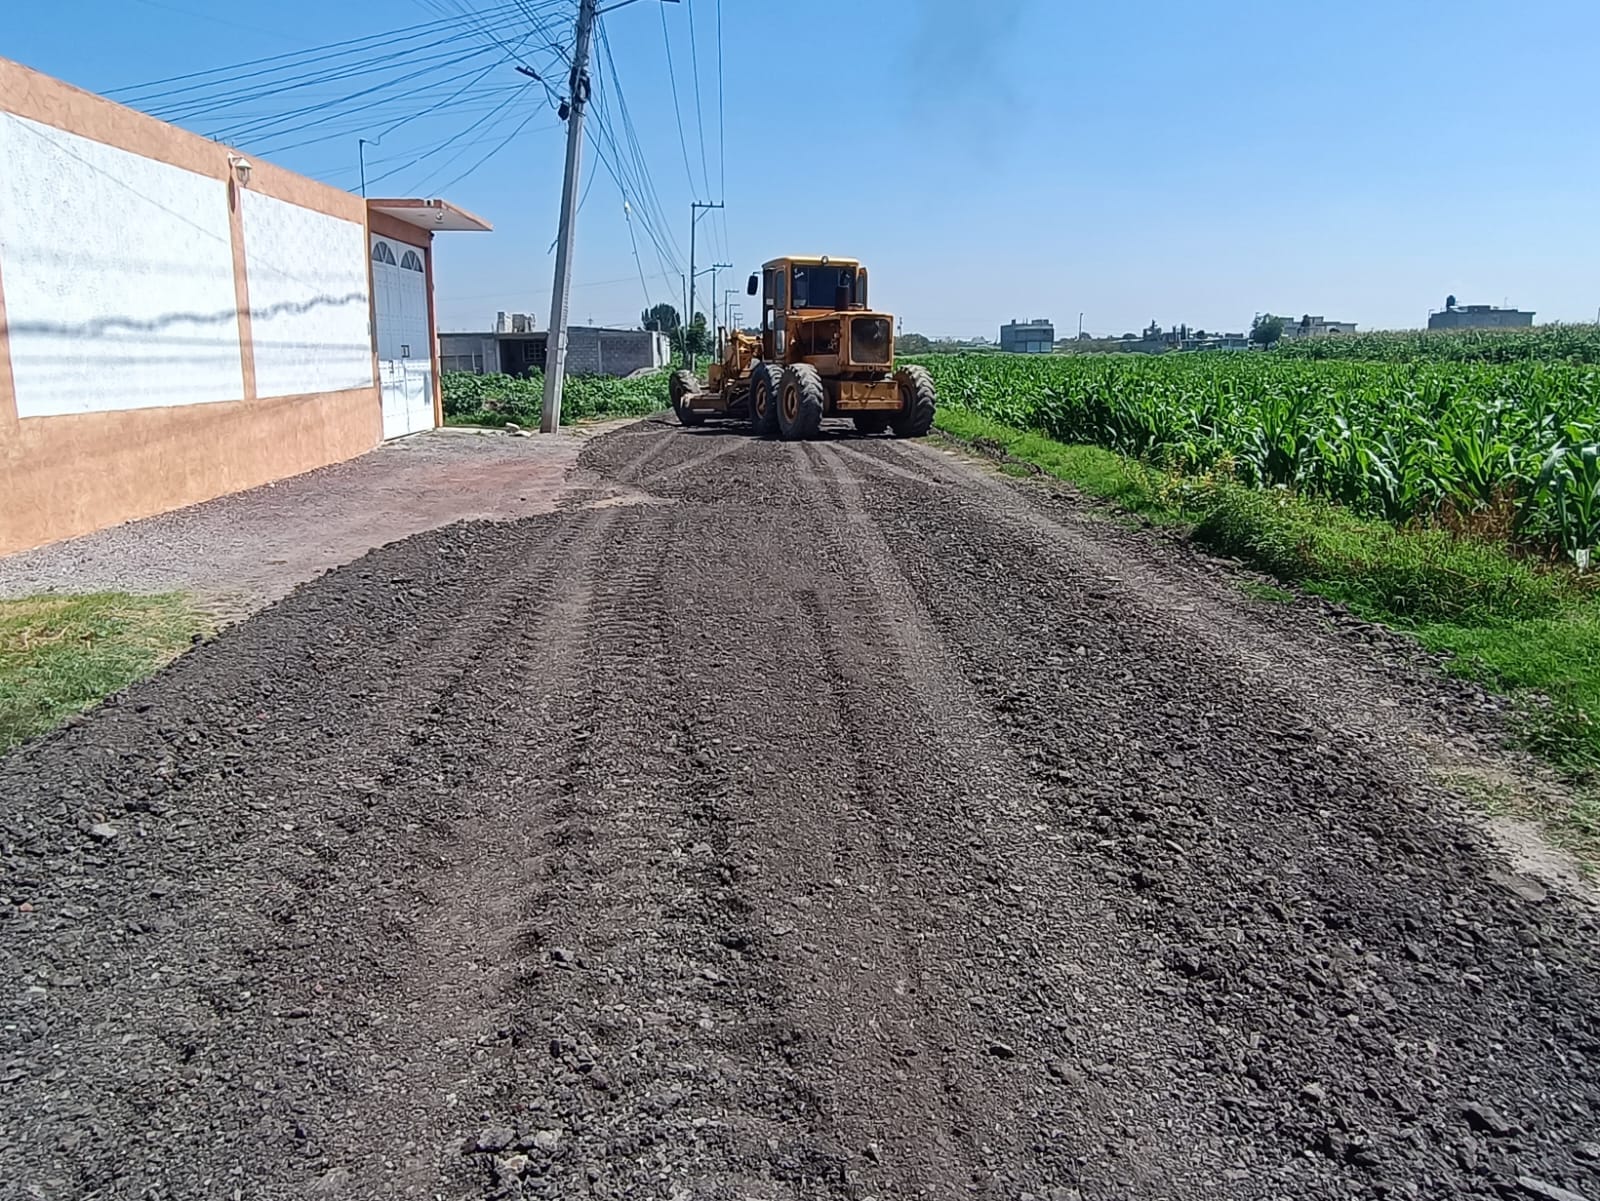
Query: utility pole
{"x": 555, "y": 368}
{"x": 361, "y": 151}
{"x": 715, "y": 267}
{"x": 577, "y": 102}
{"x": 694, "y": 219}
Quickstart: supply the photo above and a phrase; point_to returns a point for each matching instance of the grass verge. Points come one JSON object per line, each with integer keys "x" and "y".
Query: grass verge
{"x": 61, "y": 654}
{"x": 1520, "y": 627}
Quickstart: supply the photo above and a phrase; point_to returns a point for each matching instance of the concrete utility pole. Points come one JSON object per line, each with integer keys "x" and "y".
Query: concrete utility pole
{"x": 555, "y": 367}
{"x": 694, "y": 220}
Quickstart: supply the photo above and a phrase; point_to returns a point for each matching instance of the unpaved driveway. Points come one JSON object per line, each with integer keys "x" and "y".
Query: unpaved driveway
{"x": 849, "y": 824}
{"x": 242, "y": 551}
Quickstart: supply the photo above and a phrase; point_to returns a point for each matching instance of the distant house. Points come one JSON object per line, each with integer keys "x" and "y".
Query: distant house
{"x": 1477, "y": 316}
{"x": 515, "y": 348}
{"x": 1155, "y": 340}
{"x": 1028, "y": 337}
{"x": 1315, "y": 327}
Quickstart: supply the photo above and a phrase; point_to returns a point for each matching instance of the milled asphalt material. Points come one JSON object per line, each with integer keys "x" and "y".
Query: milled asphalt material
{"x": 848, "y": 823}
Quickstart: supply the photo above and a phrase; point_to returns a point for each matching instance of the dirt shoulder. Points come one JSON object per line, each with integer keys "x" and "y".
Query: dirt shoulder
{"x": 845, "y": 823}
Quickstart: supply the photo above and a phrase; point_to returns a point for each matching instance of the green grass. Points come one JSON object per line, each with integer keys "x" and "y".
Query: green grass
{"x": 1517, "y": 625}
{"x": 61, "y": 654}
{"x": 1256, "y": 590}
{"x": 1093, "y": 469}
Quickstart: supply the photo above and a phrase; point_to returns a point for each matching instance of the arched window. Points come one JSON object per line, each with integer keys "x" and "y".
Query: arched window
{"x": 411, "y": 261}
{"x": 381, "y": 253}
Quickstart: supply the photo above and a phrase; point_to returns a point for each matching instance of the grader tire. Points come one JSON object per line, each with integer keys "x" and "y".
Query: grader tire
{"x": 766, "y": 380}
{"x": 871, "y": 423}
{"x": 683, "y": 384}
{"x": 915, "y": 418}
{"x": 801, "y": 403}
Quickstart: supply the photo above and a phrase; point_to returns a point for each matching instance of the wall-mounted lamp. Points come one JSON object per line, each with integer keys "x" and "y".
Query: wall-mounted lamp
{"x": 241, "y": 169}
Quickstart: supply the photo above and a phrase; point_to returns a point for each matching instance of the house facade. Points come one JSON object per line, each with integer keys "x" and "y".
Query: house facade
{"x": 179, "y": 321}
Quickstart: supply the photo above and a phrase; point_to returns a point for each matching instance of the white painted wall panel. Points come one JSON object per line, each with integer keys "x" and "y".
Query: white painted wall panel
{"x": 118, "y": 277}
{"x": 309, "y": 315}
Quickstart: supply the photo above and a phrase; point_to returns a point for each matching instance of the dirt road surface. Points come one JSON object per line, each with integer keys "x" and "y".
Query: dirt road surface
{"x": 783, "y": 821}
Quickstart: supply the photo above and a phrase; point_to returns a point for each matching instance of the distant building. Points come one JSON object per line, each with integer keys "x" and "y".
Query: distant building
{"x": 1028, "y": 337}
{"x": 514, "y": 348}
{"x": 1315, "y": 327}
{"x": 1477, "y": 316}
{"x": 1155, "y": 340}
{"x": 514, "y": 323}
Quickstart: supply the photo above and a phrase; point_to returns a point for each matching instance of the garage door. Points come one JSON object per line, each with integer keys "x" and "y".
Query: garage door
{"x": 405, "y": 358}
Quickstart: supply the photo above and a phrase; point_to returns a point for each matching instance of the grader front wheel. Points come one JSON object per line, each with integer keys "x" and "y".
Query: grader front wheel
{"x": 801, "y": 402}
{"x": 683, "y": 385}
{"x": 917, "y": 401}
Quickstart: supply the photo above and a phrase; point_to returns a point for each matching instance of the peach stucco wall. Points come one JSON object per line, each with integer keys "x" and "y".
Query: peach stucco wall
{"x": 68, "y": 474}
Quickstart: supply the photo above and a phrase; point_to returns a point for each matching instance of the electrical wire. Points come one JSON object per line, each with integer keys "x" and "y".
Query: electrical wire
{"x": 444, "y": 187}
{"x": 677, "y": 109}
{"x": 229, "y": 78}
{"x": 699, "y": 112}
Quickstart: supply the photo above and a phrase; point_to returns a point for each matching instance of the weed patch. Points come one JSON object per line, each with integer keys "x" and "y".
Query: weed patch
{"x": 61, "y": 654}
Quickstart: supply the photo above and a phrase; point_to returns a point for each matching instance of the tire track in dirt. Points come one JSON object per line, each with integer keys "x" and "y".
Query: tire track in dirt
{"x": 844, "y": 829}
{"x": 1074, "y": 1012}
{"x": 1286, "y": 869}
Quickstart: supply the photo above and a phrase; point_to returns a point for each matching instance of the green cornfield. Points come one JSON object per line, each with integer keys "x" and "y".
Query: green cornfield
{"x": 1542, "y": 343}
{"x": 1505, "y": 450}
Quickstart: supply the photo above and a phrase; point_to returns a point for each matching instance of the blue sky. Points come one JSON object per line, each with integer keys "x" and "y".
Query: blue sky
{"x": 988, "y": 159}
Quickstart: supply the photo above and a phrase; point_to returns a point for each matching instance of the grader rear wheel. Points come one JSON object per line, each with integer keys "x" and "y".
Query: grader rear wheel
{"x": 683, "y": 385}
{"x": 765, "y": 381}
{"x": 801, "y": 400}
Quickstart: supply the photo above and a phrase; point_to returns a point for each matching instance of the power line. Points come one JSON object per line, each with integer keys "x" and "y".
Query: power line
{"x": 699, "y": 113}
{"x": 262, "y": 126}
{"x": 523, "y": 124}
{"x": 627, "y": 214}
{"x": 232, "y": 75}
{"x": 488, "y": 101}
{"x": 631, "y": 172}
{"x": 722, "y": 141}
{"x": 677, "y": 109}
{"x": 475, "y": 126}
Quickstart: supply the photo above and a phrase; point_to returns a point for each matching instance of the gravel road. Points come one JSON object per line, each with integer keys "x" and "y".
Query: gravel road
{"x": 850, "y": 822}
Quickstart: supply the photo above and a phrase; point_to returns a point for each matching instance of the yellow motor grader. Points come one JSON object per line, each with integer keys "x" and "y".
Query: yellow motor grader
{"x": 821, "y": 353}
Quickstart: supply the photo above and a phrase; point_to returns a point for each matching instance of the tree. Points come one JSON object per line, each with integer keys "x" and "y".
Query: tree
{"x": 912, "y": 344}
{"x": 697, "y": 338}
{"x": 662, "y": 317}
{"x": 1266, "y": 329}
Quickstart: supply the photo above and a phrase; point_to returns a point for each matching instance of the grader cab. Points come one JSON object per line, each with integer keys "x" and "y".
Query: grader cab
{"x": 821, "y": 353}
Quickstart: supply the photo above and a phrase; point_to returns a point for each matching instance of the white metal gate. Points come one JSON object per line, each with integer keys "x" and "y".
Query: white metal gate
{"x": 405, "y": 358}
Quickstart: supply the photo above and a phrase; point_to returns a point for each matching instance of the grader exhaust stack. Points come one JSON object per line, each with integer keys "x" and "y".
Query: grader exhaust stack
{"x": 821, "y": 353}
